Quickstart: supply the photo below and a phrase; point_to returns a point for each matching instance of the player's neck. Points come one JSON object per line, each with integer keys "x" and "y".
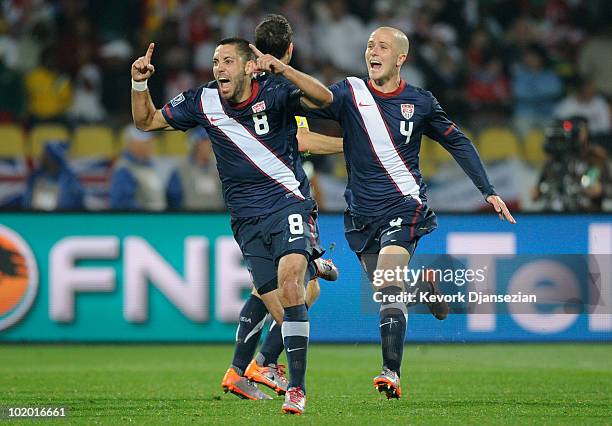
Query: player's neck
{"x": 241, "y": 97}
{"x": 248, "y": 92}
{"x": 387, "y": 85}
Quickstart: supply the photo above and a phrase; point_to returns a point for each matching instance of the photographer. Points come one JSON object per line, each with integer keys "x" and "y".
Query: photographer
{"x": 576, "y": 176}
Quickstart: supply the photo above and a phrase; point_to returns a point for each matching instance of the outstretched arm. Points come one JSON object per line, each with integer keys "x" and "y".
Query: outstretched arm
{"x": 146, "y": 116}
{"x": 316, "y": 143}
{"x": 315, "y": 94}
{"x": 441, "y": 129}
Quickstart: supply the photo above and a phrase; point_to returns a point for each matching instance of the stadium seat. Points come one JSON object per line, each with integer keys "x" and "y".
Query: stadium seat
{"x": 435, "y": 151}
{"x": 44, "y": 133}
{"x": 175, "y": 144}
{"x": 534, "y": 147}
{"x": 93, "y": 141}
{"x": 12, "y": 141}
{"x": 498, "y": 143}
{"x": 427, "y": 165}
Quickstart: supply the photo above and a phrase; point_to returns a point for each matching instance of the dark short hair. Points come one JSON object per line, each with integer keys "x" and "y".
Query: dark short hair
{"x": 274, "y": 35}
{"x": 242, "y": 47}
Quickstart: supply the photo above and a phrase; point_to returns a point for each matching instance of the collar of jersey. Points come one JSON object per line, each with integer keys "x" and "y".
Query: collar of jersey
{"x": 254, "y": 93}
{"x": 378, "y": 93}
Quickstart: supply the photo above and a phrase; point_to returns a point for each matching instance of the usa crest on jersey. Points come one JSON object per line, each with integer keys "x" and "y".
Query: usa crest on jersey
{"x": 407, "y": 110}
{"x": 259, "y": 107}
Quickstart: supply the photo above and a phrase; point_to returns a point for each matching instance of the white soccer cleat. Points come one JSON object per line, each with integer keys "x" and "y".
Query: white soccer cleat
{"x": 295, "y": 401}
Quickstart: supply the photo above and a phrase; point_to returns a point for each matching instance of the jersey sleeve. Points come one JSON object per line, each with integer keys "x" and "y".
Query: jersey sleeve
{"x": 441, "y": 129}
{"x": 182, "y": 111}
{"x": 332, "y": 112}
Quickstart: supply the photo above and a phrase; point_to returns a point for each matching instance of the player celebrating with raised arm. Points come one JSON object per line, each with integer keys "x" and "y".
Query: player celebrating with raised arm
{"x": 273, "y": 35}
{"x": 383, "y": 120}
{"x": 265, "y": 188}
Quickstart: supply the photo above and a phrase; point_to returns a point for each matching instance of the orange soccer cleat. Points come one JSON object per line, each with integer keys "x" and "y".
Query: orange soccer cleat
{"x": 388, "y": 382}
{"x": 272, "y": 376}
{"x": 241, "y": 386}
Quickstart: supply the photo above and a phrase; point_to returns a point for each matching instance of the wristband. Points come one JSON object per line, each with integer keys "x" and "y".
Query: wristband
{"x": 139, "y": 86}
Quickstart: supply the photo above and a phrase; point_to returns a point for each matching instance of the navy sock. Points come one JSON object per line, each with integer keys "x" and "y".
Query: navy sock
{"x": 295, "y": 330}
{"x": 252, "y": 319}
{"x": 272, "y": 346}
{"x": 392, "y": 330}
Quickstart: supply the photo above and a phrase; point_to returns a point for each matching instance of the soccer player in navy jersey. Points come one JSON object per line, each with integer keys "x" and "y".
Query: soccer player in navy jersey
{"x": 273, "y": 35}
{"x": 265, "y": 188}
{"x": 383, "y": 119}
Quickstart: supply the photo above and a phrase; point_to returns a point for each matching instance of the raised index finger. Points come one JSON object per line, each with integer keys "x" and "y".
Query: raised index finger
{"x": 256, "y": 51}
{"x": 149, "y": 53}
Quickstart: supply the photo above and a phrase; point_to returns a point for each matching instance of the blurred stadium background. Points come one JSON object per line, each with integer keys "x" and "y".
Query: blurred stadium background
{"x": 523, "y": 79}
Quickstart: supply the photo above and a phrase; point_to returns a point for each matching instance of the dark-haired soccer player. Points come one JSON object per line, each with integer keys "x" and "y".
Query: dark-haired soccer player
{"x": 383, "y": 119}
{"x": 265, "y": 188}
{"x": 274, "y": 36}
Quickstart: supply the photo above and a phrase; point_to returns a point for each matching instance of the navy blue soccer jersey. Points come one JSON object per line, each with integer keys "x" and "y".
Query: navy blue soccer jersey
{"x": 382, "y": 139}
{"x": 254, "y": 143}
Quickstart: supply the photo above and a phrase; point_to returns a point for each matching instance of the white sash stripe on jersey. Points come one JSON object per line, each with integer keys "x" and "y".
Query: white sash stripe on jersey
{"x": 383, "y": 146}
{"x": 254, "y": 150}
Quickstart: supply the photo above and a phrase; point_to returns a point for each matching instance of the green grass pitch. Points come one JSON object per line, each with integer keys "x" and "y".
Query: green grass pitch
{"x": 169, "y": 384}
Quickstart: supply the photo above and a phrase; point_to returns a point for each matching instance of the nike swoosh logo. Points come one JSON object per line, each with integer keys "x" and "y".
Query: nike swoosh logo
{"x": 387, "y": 323}
{"x": 294, "y": 239}
{"x": 361, "y": 104}
{"x": 212, "y": 120}
{"x": 394, "y": 231}
{"x": 294, "y": 349}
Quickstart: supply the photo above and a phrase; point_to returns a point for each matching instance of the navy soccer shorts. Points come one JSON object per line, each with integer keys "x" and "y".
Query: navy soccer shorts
{"x": 401, "y": 226}
{"x": 263, "y": 240}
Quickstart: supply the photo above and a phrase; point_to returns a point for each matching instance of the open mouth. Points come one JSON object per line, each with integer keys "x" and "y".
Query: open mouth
{"x": 223, "y": 82}
{"x": 375, "y": 65}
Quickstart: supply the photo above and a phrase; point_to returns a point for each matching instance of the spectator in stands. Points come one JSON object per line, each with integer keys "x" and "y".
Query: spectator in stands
{"x": 87, "y": 103}
{"x": 53, "y": 185}
{"x": 49, "y": 91}
{"x": 347, "y": 32}
{"x": 115, "y": 57}
{"x": 441, "y": 61}
{"x": 195, "y": 185}
{"x": 478, "y": 49}
{"x": 488, "y": 86}
{"x": 135, "y": 182}
{"x": 243, "y": 18}
{"x": 595, "y": 60}
{"x": 535, "y": 89}
{"x": 585, "y": 102}
{"x": 12, "y": 94}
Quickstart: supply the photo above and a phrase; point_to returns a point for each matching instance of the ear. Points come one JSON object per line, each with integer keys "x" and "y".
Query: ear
{"x": 290, "y": 52}
{"x": 250, "y": 67}
{"x": 401, "y": 59}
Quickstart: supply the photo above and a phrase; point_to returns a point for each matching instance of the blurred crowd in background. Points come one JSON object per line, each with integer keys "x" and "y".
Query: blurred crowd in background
{"x": 521, "y": 77}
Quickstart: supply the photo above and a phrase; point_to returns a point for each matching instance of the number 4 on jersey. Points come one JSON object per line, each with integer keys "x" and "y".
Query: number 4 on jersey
{"x": 405, "y": 132}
